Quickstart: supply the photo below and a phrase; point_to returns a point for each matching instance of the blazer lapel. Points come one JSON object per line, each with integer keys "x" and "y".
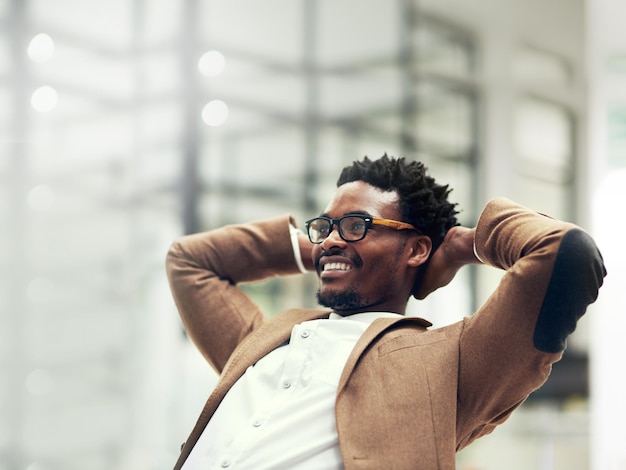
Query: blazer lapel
{"x": 377, "y": 327}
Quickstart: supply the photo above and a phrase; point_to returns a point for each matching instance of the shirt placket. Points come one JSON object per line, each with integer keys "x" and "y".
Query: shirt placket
{"x": 296, "y": 361}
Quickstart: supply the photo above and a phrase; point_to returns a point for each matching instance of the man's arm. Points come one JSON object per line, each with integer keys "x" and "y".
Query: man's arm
{"x": 553, "y": 272}
{"x": 204, "y": 269}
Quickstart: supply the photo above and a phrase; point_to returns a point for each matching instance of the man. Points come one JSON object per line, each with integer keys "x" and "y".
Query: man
{"x": 359, "y": 385}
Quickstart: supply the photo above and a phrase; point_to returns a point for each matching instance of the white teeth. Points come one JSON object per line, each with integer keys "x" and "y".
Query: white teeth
{"x": 337, "y": 267}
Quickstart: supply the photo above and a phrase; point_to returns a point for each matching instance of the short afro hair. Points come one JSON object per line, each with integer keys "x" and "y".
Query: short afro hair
{"x": 423, "y": 202}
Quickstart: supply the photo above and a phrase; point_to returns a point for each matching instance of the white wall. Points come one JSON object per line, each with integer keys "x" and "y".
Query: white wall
{"x": 607, "y": 150}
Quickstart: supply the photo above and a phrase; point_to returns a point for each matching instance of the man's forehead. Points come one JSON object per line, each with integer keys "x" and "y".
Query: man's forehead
{"x": 361, "y": 197}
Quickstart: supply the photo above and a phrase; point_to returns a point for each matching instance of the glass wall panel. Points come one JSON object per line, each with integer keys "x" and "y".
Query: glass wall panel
{"x": 543, "y": 139}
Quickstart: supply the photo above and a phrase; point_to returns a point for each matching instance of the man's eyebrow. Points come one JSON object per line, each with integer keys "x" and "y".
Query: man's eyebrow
{"x": 357, "y": 212}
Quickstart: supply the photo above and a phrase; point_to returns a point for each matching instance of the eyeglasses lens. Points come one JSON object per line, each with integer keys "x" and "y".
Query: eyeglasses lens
{"x": 319, "y": 230}
{"x": 352, "y": 228}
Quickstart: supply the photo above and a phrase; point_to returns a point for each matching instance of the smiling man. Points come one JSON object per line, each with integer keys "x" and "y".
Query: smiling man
{"x": 377, "y": 274}
{"x": 359, "y": 385}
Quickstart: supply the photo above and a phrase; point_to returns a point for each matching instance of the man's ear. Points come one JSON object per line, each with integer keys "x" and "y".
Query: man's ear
{"x": 421, "y": 247}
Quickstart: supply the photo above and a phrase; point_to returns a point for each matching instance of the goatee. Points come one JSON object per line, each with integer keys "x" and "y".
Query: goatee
{"x": 340, "y": 301}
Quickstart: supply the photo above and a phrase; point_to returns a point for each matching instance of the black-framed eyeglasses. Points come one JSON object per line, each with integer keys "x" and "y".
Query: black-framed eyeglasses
{"x": 352, "y": 227}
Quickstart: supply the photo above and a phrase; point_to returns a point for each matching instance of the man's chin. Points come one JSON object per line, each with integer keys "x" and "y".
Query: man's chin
{"x": 343, "y": 301}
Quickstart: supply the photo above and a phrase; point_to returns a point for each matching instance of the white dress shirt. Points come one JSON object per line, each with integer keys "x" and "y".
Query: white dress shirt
{"x": 281, "y": 413}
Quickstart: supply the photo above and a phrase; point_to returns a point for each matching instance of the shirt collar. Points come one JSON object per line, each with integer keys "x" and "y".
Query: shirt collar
{"x": 365, "y": 317}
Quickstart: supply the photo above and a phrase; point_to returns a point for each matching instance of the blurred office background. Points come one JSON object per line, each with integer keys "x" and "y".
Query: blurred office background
{"x": 126, "y": 123}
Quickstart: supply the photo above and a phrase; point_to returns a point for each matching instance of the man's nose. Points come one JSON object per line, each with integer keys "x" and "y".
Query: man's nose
{"x": 333, "y": 239}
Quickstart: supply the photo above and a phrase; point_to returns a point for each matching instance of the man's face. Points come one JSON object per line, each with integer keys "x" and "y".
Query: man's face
{"x": 371, "y": 274}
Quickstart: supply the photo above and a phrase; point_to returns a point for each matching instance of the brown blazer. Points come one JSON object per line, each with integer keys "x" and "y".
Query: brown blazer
{"x": 409, "y": 397}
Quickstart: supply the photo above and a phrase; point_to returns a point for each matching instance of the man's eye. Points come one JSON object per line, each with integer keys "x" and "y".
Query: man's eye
{"x": 356, "y": 226}
{"x": 322, "y": 226}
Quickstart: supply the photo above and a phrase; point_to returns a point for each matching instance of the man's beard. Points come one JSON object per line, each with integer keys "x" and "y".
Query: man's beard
{"x": 344, "y": 301}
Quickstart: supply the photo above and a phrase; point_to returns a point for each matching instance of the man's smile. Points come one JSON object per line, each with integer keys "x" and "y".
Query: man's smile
{"x": 333, "y": 266}
{"x": 336, "y": 267}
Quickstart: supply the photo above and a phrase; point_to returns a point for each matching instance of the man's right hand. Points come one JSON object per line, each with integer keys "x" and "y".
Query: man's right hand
{"x": 456, "y": 251}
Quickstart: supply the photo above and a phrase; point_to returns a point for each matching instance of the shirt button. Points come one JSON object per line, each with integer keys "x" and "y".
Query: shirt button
{"x": 304, "y": 334}
{"x": 286, "y": 384}
{"x": 225, "y": 464}
{"x": 257, "y": 423}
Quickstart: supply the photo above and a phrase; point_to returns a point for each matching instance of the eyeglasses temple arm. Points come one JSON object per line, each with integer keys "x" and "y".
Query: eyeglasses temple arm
{"x": 394, "y": 224}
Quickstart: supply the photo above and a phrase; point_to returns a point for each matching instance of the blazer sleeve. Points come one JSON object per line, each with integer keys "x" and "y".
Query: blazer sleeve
{"x": 553, "y": 272}
{"x": 204, "y": 269}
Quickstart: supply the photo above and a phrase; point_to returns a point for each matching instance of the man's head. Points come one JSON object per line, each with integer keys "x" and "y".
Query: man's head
{"x": 423, "y": 202}
{"x": 379, "y": 271}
